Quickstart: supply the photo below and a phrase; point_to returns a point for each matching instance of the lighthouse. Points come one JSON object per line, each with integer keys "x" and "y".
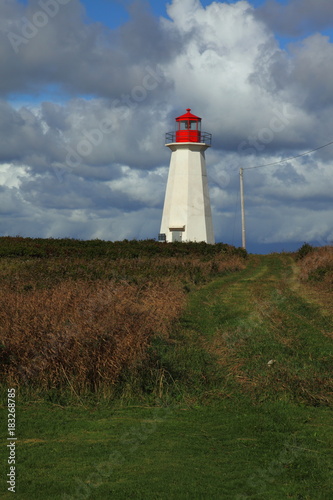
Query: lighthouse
{"x": 187, "y": 214}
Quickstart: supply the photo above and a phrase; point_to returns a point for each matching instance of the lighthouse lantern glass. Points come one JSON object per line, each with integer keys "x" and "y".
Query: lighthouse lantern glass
{"x": 189, "y": 125}
{"x": 188, "y": 128}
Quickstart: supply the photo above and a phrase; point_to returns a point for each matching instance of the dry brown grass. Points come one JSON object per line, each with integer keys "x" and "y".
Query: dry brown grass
{"x": 315, "y": 277}
{"x": 81, "y": 335}
{"x": 318, "y": 266}
{"x": 72, "y": 321}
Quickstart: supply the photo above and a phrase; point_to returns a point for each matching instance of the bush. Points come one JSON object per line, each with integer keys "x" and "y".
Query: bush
{"x": 304, "y": 251}
{"x": 134, "y": 249}
{"x": 317, "y": 266}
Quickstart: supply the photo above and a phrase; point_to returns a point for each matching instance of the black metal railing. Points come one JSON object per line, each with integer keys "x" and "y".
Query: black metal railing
{"x": 205, "y": 138}
{"x": 170, "y": 137}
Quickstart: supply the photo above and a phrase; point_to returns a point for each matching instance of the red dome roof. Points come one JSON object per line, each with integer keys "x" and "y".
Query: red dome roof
{"x": 188, "y": 116}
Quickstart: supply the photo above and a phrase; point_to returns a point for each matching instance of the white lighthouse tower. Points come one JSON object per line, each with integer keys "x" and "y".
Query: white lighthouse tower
{"x": 187, "y": 214}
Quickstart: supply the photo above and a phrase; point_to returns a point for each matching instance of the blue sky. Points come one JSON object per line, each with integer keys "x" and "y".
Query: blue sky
{"x": 114, "y": 13}
{"x": 259, "y": 73}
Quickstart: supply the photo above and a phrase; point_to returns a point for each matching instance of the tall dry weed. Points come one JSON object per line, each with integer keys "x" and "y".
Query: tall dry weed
{"x": 317, "y": 266}
{"x": 78, "y": 322}
{"x": 81, "y": 335}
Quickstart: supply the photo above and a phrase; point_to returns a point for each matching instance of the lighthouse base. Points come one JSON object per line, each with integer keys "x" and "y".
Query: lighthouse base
{"x": 187, "y": 213}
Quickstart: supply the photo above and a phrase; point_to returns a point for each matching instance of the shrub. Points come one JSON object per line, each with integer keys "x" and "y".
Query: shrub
{"x": 303, "y": 251}
{"x": 317, "y": 266}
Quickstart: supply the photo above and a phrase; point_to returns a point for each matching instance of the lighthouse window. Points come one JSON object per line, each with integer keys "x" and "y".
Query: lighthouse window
{"x": 189, "y": 125}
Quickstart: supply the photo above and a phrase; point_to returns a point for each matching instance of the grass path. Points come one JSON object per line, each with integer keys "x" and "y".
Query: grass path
{"x": 258, "y": 431}
{"x": 261, "y": 317}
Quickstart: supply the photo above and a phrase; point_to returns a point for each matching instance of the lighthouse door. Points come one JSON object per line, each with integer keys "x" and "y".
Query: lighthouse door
{"x": 176, "y": 236}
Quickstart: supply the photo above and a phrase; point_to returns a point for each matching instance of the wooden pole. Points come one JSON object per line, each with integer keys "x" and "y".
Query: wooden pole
{"x": 242, "y": 208}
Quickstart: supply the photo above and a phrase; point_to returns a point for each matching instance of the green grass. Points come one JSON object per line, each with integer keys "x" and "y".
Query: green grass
{"x": 213, "y": 420}
{"x": 228, "y": 450}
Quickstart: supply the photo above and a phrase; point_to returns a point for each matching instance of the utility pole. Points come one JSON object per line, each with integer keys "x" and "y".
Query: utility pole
{"x": 242, "y": 207}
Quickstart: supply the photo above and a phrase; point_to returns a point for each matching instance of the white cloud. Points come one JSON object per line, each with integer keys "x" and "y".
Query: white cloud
{"x": 11, "y": 175}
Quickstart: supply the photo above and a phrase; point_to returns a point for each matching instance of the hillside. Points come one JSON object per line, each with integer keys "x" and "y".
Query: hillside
{"x": 77, "y": 316}
{"x": 223, "y": 387}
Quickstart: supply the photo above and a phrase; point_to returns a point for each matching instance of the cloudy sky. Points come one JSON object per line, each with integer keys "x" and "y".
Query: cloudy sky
{"x": 88, "y": 89}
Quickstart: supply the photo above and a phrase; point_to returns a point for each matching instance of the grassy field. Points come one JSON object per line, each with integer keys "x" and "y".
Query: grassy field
{"x": 76, "y": 318}
{"x": 232, "y": 400}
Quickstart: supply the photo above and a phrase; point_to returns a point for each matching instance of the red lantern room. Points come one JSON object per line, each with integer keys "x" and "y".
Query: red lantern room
{"x": 188, "y": 129}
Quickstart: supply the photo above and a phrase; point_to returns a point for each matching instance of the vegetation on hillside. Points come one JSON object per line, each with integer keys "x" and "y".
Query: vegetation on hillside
{"x": 316, "y": 266}
{"x": 107, "y": 319}
{"x": 68, "y": 247}
{"x": 77, "y": 317}
{"x": 193, "y": 381}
